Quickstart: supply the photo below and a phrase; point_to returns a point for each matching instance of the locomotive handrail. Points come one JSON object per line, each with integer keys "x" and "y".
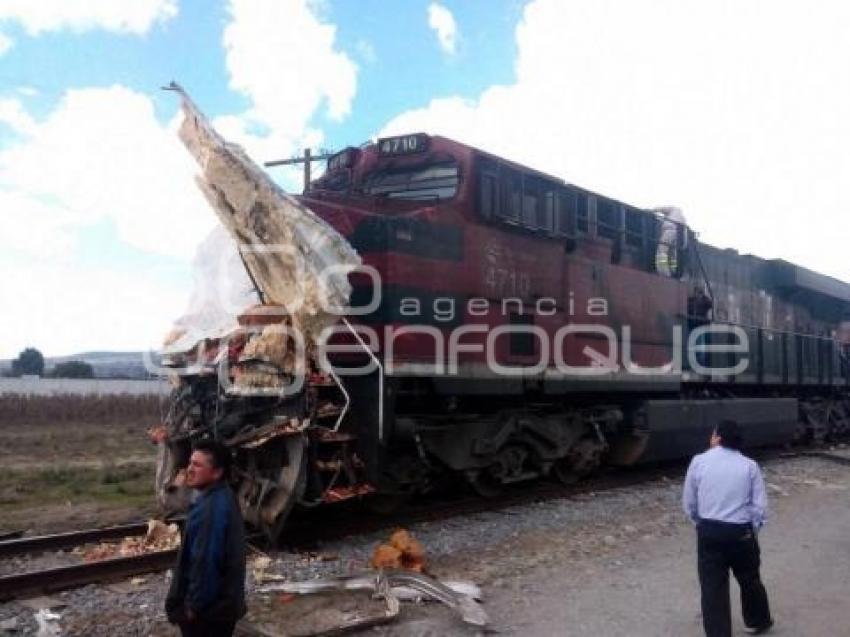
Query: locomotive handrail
{"x": 377, "y": 362}
{"x": 344, "y": 393}
{"x": 751, "y": 326}
{"x": 695, "y": 249}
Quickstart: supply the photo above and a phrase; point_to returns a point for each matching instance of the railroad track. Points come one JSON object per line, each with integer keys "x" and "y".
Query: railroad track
{"x": 303, "y": 532}
{"x": 324, "y": 525}
{"x": 62, "y": 541}
{"x": 22, "y": 585}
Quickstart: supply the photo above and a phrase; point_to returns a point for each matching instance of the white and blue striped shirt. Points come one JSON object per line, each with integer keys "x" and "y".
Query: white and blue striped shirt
{"x": 724, "y": 485}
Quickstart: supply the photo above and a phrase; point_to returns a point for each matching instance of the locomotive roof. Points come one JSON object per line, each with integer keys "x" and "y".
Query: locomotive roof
{"x": 538, "y": 173}
{"x": 508, "y": 162}
{"x": 783, "y": 274}
{"x": 789, "y": 275}
{"x": 780, "y": 273}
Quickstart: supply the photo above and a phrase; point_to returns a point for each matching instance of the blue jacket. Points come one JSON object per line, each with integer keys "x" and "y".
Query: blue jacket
{"x": 209, "y": 576}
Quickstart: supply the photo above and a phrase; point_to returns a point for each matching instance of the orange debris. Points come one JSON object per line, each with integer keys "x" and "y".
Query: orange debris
{"x": 402, "y": 551}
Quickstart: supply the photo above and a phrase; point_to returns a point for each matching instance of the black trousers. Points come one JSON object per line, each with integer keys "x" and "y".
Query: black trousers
{"x": 720, "y": 547}
{"x": 202, "y": 628}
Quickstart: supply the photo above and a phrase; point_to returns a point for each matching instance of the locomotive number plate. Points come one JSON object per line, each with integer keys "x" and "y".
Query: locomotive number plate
{"x": 403, "y": 145}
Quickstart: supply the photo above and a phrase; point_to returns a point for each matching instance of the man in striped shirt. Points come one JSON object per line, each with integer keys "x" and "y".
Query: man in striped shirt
{"x": 724, "y": 495}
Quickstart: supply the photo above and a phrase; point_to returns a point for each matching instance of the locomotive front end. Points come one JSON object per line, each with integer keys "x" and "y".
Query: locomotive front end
{"x": 242, "y": 361}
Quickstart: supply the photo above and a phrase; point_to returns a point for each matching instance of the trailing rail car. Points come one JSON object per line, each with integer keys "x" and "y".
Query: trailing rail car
{"x": 508, "y": 325}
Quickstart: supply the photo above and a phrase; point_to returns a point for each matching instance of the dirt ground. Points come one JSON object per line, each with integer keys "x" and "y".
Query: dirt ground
{"x": 622, "y": 563}
{"x": 640, "y": 580}
{"x": 618, "y": 563}
{"x": 70, "y": 475}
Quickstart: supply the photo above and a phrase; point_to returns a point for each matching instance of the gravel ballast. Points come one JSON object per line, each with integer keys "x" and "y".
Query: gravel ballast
{"x": 618, "y": 562}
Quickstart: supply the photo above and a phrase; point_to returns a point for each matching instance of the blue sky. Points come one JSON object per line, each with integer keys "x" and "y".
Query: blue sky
{"x": 400, "y": 63}
{"x": 734, "y": 111}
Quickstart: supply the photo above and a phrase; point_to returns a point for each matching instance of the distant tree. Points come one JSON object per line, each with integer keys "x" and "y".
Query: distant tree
{"x": 72, "y": 369}
{"x": 29, "y": 362}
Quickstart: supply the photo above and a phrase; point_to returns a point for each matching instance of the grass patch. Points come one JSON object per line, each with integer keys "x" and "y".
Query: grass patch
{"x": 128, "y": 484}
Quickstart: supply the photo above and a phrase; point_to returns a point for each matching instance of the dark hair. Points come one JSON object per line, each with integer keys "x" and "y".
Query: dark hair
{"x": 730, "y": 434}
{"x": 218, "y": 453}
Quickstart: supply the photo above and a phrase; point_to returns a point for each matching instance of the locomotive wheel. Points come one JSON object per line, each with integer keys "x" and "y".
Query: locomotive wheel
{"x": 581, "y": 461}
{"x": 291, "y": 485}
{"x": 267, "y": 495}
{"x": 564, "y": 473}
{"x": 485, "y": 484}
{"x": 509, "y": 465}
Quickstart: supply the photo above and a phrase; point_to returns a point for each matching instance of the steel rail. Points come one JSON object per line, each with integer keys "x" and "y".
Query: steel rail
{"x": 71, "y": 539}
{"x": 50, "y": 580}
{"x": 333, "y": 524}
{"x": 60, "y": 541}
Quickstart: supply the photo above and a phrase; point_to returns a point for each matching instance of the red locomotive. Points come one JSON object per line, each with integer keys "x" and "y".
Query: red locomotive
{"x": 507, "y": 325}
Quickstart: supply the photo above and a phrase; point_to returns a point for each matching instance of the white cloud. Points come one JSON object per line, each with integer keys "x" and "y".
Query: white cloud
{"x": 122, "y": 16}
{"x": 33, "y": 229}
{"x": 65, "y": 309}
{"x": 101, "y": 154}
{"x": 6, "y": 43}
{"x": 282, "y": 57}
{"x": 13, "y": 114}
{"x": 441, "y": 20}
{"x": 733, "y": 111}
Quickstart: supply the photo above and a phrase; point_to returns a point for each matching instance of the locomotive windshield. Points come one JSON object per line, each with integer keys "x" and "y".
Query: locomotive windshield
{"x": 428, "y": 182}
{"x": 339, "y": 181}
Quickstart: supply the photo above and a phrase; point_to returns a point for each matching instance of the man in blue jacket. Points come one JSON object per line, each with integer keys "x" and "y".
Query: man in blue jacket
{"x": 207, "y": 592}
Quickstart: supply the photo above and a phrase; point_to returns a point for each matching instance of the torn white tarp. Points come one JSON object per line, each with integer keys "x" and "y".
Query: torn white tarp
{"x": 294, "y": 257}
{"x": 221, "y": 291}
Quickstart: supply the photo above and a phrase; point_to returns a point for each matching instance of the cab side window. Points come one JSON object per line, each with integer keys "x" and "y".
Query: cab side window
{"x": 549, "y": 209}
{"x": 530, "y": 202}
{"x": 634, "y": 228}
{"x": 488, "y": 189}
{"x": 511, "y": 191}
{"x": 607, "y": 219}
{"x": 565, "y": 212}
{"x": 582, "y": 212}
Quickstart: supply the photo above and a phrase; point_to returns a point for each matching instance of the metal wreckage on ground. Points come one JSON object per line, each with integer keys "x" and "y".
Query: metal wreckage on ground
{"x": 481, "y": 247}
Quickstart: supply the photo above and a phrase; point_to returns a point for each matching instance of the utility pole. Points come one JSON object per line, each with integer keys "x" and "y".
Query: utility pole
{"x": 307, "y": 160}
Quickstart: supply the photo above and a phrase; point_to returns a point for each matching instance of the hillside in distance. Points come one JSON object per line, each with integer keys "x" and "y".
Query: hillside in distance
{"x": 105, "y": 364}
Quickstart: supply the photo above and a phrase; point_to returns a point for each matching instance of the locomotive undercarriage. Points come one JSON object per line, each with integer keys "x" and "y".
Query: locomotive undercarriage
{"x": 521, "y": 439}
{"x": 298, "y": 452}
{"x": 513, "y": 445}
{"x": 824, "y": 418}
{"x": 301, "y": 452}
